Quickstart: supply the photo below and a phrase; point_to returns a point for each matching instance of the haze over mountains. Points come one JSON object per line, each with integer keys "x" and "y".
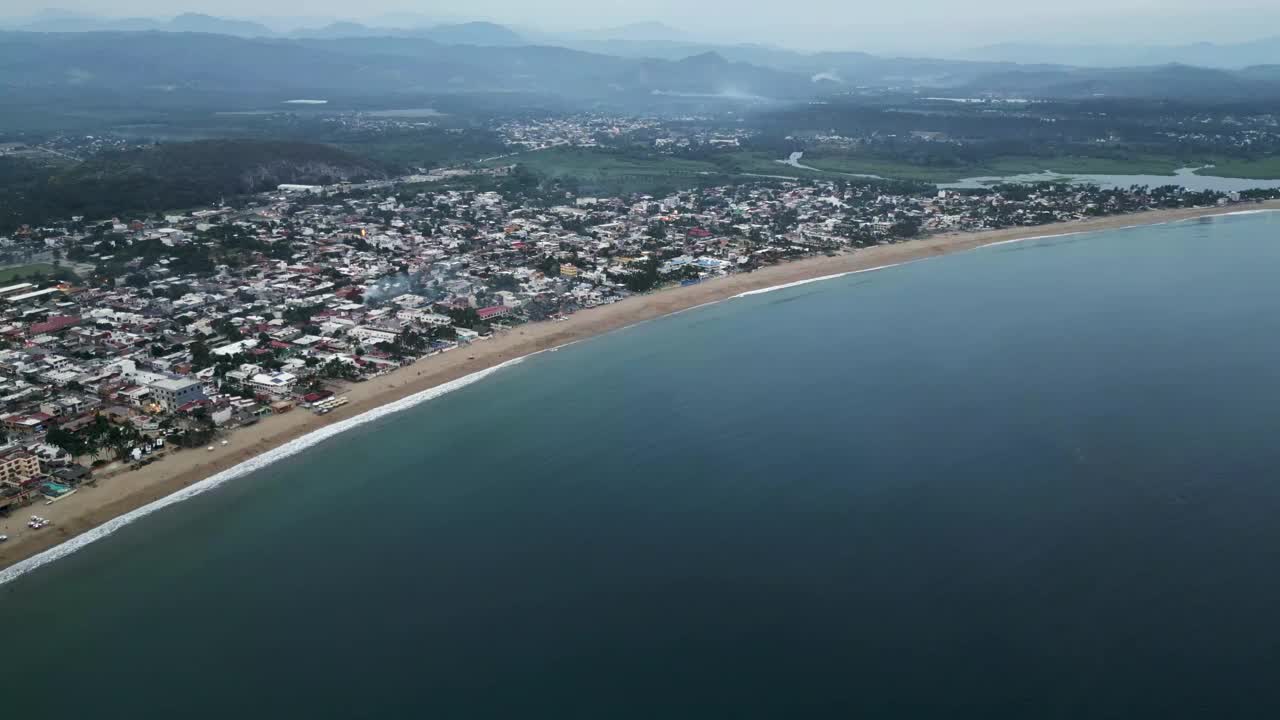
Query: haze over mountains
{"x": 1265, "y": 51}
{"x": 62, "y": 50}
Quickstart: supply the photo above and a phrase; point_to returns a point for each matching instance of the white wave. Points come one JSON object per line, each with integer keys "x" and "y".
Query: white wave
{"x": 1247, "y": 212}
{"x": 691, "y": 308}
{"x": 798, "y": 283}
{"x": 1034, "y": 237}
{"x": 1127, "y": 227}
{"x": 256, "y": 463}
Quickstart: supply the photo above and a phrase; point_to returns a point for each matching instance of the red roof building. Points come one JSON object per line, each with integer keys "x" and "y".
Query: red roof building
{"x": 55, "y": 324}
{"x": 496, "y": 311}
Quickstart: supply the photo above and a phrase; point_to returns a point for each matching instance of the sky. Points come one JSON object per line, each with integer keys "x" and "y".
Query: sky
{"x": 872, "y": 25}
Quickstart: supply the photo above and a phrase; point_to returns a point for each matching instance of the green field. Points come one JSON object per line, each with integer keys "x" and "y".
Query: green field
{"x": 1261, "y": 169}
{"x": 587, "y": 162}
{"x": 23, "y": 273}
{"x": 596, "y": 170}
{"x": 996, "y": 167}
{"x": 605, "y": 171}
{"x": 602, "y": 171}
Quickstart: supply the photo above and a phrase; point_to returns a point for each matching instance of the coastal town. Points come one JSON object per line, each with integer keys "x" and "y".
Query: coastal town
{"x": 149, "y": 336}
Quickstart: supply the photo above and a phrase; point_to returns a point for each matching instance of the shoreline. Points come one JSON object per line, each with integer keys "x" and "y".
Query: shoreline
{"x": 95, "y": 512}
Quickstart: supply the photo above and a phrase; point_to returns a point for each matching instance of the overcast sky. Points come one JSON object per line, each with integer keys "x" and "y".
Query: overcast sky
{"x": 874, "y": 25}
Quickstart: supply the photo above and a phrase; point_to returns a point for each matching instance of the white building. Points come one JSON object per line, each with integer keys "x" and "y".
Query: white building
{"x": 173, "y": 394}
{"x": 373, "y": 336}
{"x": 278, "y": 384}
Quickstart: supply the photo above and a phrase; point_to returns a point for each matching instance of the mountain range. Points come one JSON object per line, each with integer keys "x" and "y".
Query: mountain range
{"x": 201, "y": 53}
{"x": 60, "y": 21}
{"x": 464, "y": 33}
{"x": 1265, "y": 51}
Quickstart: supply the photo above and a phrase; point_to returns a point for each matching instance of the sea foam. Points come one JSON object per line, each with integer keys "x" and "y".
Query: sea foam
{"x": 1034, "y": 237}
{"x": 798, "y": 283}
{"x": 256, "y": 463}
{"x": 1247, "y": 212}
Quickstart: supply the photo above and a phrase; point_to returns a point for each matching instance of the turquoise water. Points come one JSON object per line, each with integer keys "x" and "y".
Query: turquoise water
{"x": 1035, "y": 480}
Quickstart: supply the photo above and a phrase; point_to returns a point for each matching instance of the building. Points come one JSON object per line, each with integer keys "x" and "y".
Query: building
{"x": 278, "y": 384}
{"x": 55, "y": 324}
{"x": 372, "y": 335}
{"x": 435, "y": 319}
{"x": 494, "y": 312}
{"x": 33, "y": 295}
{"x": 18, "y": 465}
{"x": 173, "y": 394}
{"x": 20, "y": 287}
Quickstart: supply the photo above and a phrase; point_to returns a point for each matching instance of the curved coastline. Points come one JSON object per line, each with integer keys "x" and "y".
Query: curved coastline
{"x": 95, "y": 513}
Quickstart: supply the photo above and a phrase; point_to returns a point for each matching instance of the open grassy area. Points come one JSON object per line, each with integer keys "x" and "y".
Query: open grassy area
{"x": 602, "y": 170}
{"x": 1260, "y": 169}
{"x": 22, "y": 273}
{"x": 588, "y": 162}
{"x": 598, "y": 170}
{"x": 996, "y": 167}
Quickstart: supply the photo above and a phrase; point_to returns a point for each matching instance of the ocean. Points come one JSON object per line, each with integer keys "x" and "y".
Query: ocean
{"x": 1036, "y": 480}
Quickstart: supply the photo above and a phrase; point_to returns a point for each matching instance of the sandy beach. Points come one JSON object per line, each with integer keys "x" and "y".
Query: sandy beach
{"x": 114, "y": 496}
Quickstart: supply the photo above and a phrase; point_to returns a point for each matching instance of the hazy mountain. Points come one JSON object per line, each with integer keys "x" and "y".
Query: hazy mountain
{"x": 712, "y": 74}
{"x": 475, "y": 33}
{"x": 489, "y": 59}
{"x": 68, "y": 22}
{"x": 187, "y": 22}
{"x": 195, "y": 22}
{"x": 848, "y": 68}
{"x": 471, "y": 33}
{"x": 1236, "y": 55}
{"x": 341, "y": 29}
{"x": 220, "y": 63}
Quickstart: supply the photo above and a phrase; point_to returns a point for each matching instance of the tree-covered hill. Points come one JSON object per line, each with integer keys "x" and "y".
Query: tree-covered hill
{"x": 167, "y": 177}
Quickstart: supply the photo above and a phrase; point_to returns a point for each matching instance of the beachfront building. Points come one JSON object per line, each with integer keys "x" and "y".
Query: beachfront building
{"x": 277, "y": 384}
{"x": 17, "y": 465}
{"x": 372, "y": 336}
{"x": 493, "y": 313}
{"x": 172, "y": 394}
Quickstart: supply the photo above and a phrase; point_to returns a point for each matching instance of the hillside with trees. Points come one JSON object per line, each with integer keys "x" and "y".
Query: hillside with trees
{"x": 168, "y": 177}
